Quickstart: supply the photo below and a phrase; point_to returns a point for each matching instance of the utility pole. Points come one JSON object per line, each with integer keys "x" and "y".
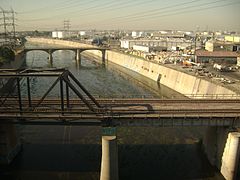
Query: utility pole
{"x": 8, "y": 23}
{"x": 195, "y": 47}
{"x": 195, "y": 43}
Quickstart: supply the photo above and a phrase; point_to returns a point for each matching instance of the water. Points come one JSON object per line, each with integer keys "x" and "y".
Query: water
{"x": 95, "y": 78}
{"x": 69, "y": 153}
{"x": 100, "y": 81}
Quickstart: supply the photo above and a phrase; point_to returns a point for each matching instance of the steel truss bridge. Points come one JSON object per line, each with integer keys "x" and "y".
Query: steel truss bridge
{"x": 18, "y": 105}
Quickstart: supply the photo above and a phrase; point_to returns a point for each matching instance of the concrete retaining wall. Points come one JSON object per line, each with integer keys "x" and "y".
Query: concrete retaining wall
{"x": 176, "y": 80}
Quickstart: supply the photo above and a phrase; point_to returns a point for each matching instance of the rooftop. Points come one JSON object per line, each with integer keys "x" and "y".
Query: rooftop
{"x": 204, "y": 53}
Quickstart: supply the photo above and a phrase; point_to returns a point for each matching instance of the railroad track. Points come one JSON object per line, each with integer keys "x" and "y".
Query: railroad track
{"x": 121, "y": 110}
{"x": 124, "y": 101}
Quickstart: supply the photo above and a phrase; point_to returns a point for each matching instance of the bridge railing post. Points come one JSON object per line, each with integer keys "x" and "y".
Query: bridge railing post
{"x": 19, "y": 95}
{"x": 62, "y": 95}
{"x": 67, "y": 95}
{"x": 29, "y": 92}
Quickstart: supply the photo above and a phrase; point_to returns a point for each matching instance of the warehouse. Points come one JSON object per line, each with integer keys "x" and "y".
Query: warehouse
{"x": 220, "y": 57}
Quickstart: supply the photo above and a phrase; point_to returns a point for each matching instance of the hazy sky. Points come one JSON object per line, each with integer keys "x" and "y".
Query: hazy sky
{"x": 126, "y": 14}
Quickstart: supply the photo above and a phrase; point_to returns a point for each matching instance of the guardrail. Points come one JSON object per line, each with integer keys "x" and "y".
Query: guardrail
{"x": 177, "y": 96}
{"x": 213, "y": 96}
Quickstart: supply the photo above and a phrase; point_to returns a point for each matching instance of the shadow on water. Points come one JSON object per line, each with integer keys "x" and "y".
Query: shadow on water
{"x": 142, "y": 161}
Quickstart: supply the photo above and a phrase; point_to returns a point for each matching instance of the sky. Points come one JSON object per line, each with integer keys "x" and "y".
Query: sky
{"x": 188, "y": 15}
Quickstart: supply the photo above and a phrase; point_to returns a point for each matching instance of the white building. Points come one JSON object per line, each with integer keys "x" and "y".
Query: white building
{"x": 82, "y": 33}
{"x": 134, "y": 34}
{"x": 170, "y": 43}
{"x": 54, "y": 34}
{"x": 141, "y": 48}
{"x": 61, "y": 34}
{"x": 58, "y": 34}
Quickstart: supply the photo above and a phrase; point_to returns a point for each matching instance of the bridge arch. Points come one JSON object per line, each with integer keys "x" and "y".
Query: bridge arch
{"x": 77, "y": 52}
{"x": 103, "y": 51}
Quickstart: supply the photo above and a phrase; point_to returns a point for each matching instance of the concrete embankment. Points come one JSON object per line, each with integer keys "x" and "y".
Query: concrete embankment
{"x": 179, "y": 81}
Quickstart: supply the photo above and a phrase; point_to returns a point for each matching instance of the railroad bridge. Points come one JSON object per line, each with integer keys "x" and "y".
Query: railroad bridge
{"x": 76, "y": 50}
{"x": 20, "y": 106}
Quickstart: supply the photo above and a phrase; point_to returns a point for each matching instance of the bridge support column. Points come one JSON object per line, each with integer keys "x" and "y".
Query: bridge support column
{"x": 222, "y": 147}
{"x": 104, "y": 58}
{"x": 9, "y": 144}
{"x": 109, "y": 164}
{"x": 230, "y": 158}
{"x": 78, "y": 56}
{"x": 50, "y": 57}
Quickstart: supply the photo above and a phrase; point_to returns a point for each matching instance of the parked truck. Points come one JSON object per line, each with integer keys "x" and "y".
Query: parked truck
{"x": 220, "y": 67}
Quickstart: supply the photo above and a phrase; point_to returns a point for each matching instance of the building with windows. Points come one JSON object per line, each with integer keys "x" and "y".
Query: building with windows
{"x": 169, "y": 44}
{"x": 233, "y": 38}
{"x": 221, "y": 46}
{"x": 220, "y": 57}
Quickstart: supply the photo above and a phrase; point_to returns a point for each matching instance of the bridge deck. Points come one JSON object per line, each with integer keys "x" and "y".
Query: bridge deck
{"x": 129, "y": 112}
{"x": 63, "y": 48}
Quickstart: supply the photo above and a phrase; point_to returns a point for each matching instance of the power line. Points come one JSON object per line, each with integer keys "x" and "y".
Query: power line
{"x": 170, "y": 12}
{"x": 47, "y": 7}
{"x": 144, "y": 13}
{"x": 110, "y": 5}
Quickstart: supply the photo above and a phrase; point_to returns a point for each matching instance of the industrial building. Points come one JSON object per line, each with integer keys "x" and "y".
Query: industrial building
{"x": 233, "y": 38}
{"x": 149, "y": 49}
{"x": 58, "y": 34}
{"x": 169, "y": 44}
{"x": 167, "y": 34}
{"x": 220, "y": 57}
{"x": 222, "y": 46}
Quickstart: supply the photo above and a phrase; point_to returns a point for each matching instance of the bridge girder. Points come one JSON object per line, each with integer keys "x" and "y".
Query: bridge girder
{"x": 107, "y": 112}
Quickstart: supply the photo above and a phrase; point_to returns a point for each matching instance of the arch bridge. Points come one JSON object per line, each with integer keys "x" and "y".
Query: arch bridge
{"x": 76, "y": 50}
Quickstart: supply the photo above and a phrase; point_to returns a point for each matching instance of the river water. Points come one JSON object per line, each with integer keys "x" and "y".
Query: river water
{"x": 69, "y": 153}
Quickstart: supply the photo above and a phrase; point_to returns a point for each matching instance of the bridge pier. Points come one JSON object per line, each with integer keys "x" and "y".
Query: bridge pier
{"x": 9, "y": 144}
{"x": 50, "y": 57}
{"x": 109, "y": 163}
{"x": 78, "y": 56}
{"x": 222, "y": 147}
{"x": 103, "y": 58}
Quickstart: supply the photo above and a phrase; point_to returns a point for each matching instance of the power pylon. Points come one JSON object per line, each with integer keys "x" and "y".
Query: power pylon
{"x": 66, "y": 25}
{"x": 8, "y": 23}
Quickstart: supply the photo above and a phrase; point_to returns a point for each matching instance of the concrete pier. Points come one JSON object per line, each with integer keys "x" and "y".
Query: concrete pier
{"x": 103, "y": 58}
{"x": 230, "y": 158}
{"x": 109, "y": 164}
{"x": 78, "y": 56}
{"x": 50, "y": 57}
{"x": 222, "y": 147}
{"x": 9, "y": 144}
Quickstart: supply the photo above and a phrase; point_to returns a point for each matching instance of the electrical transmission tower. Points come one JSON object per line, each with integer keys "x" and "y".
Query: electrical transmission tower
{"x": 66, "y": 26}
{"x": 7, "y": 19}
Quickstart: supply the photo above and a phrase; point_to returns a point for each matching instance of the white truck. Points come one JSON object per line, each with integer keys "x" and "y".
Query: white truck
{"x": 220, "y": 67}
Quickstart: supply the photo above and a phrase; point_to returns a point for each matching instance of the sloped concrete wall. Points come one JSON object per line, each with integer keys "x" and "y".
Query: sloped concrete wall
{"x": 176, "y": 80}
{"x": 179, "y": 81}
